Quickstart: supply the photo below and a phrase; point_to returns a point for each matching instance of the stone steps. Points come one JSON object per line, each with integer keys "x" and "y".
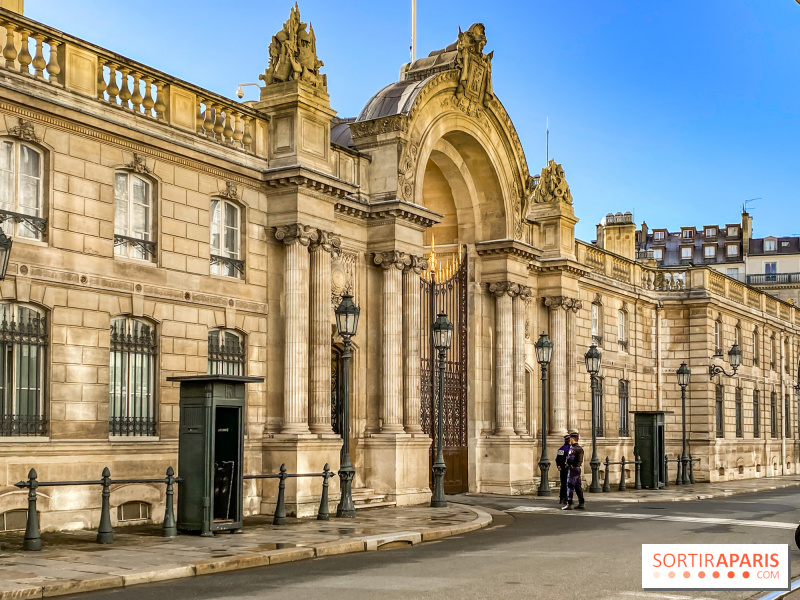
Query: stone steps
{"x": 367, "y": 498}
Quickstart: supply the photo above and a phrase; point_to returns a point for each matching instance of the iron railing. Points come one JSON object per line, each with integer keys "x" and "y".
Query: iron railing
{"x": 226, "y": 353}
{"x": 228, "y": 266}
{"x": 622, "y": 486}
{"x": 37, "y": 224}
{"x": 146, "y": 248}
{"x": 763, "y": 278}
{"x": 22, "y": 344}
{"x": 279, "y": 518}
{"x": 132, "y": 398}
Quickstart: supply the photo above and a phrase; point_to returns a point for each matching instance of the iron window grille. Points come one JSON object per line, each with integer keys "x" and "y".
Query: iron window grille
{"x": 23, "y": 341}
{"x": 135, "y": 247}
{"x": 624, "y": 422}
{"x": 739, "y": 412}
{"x": 756, "y": 415}
{"x": 133, "y": 368}
{"x": 226, "y": 353}
{"x": 21, "y": 168}
{"x": 598, "y": 407}
{"x": 773, "y": 414}
{"x": 719, "y": 412}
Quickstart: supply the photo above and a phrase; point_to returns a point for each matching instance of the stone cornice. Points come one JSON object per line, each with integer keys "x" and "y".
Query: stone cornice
{"x": 303, "y": 234}
{"x": 376, "y": 213}
{"x": 297, "y": 176}
{"x": 508, "y": 247}
{"x": 560, "y": 265}
{"x": 361, "y": 129}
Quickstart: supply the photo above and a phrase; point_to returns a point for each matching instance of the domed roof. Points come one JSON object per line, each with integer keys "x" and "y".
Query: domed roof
{"x": 340, "y": 132}
{"x": 394, "y": 99}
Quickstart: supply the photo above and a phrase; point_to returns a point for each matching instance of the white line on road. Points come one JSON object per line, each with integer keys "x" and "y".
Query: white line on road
{"x": 654, "y": 596}
{"x": 648, "y": 517}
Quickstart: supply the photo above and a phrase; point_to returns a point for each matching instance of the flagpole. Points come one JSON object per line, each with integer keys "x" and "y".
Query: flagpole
{"x": 547, "y": 134}
{"x": 413, "y": 30}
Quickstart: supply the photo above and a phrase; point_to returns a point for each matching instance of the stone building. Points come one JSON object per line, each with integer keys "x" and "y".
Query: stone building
{"x": 161, "y": 229}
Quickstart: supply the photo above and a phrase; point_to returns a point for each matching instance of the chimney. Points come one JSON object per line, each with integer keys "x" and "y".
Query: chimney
{"x": 16, "y": 6}
{"x": 618, "y": 235}
{"x": 747, "y": 233}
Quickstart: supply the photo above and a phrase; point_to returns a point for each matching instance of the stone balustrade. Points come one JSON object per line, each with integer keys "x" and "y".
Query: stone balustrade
{"x": 45, "y": 54}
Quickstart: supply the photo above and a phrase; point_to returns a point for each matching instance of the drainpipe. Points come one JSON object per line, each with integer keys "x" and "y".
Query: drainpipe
{"x": 659, "y": 373}
{"x": 783, "y": 412}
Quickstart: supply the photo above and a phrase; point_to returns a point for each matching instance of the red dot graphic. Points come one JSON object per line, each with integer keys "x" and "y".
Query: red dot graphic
{"x": 715, "y": 574}
{"x": 671, "y": 574}
{"x": 746, "y": 574}
{"x": 731, "y": 574}
{"x": 686, "y": 574}
{"x": 702, "y": 574}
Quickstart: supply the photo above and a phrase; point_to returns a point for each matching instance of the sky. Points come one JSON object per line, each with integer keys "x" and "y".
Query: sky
{"x": 678, "y": 111}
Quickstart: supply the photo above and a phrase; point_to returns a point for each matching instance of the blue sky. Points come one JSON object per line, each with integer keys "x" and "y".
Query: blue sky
{"x": 678, "y": 111}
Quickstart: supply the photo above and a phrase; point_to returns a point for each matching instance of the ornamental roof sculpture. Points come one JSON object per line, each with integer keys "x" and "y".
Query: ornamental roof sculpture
{"x": 293, "y": 55}
{"x": 553, "y": 186}
{"x": 475, "y": 81}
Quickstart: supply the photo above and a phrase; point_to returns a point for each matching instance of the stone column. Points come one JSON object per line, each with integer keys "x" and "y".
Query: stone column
{"x": 411, "y": 344}
{"x": 520, "y": 302}
{"x": 504, "y": 343}
{"x": 295, "y": 370}
{"x": 392, "y": 340}
{"x": 557, "y": 415}
{"x": 572, "y": 306}
{"x": 319, "y": 418}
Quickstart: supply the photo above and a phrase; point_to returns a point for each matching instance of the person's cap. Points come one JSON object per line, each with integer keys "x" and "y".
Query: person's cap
{"x": 566, "y": 437}
{"x": 574, "y": 434}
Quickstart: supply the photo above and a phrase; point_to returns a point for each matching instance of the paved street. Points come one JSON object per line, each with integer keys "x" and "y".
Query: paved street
{"x": 543, "y": 554}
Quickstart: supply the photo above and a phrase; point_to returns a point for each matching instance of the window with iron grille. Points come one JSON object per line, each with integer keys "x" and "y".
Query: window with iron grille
{"x": 773, "y": 414}
{"x": 598, "y": 407}
{"x": 597, "y": 323}
{"x": 226, "y": 353}
{"x": 756, "y": 414}
{"x": 719, "y": 412}
{"x": 624, "y": 428}
{"x": 21, "y": 190}
{"x": 739, "y": 412}
{"x": 133, "y": 217}
{"x": 225, "y": 252}
{"x": 23, "y": 342}
{"x": 132, "y": 405}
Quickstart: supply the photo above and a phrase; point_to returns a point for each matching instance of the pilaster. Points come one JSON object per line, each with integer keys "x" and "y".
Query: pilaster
{"x": 558, "y": 365}
{"x": 504, "y": 293}
{"x": 411, "y": 344}
{"x": 393, "y": 264}
{"x": 520, "y": 301}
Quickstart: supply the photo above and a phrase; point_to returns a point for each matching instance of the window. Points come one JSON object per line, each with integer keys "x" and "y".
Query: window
{"x": 773, "y": 414}
{"x": 717, "y": 338}
{"x": 23, "y": 340}
{"x": 756, "y": 415}
{"x": 14, "y": 520}
{"x": 21, "y": 189}
{"x": 687, "y": 234}
{"x": 770, "y": 269}
{"x": 733, "y": 273}
{"x": 739, "y": 412}
{"x": 787, "y": 416}
{"x": 737, "y": 335}
{"x": 773, "y": 352}
{"x": 225, "y": 239}
{"x": 133, "y": 217}
{"x": 624, "y": 426}
{"x": 132, "y": 385}
{"x": 733, "y": 231}
{"x": 597, "y": 323}
{"x": 598, "y": 407}
{"x": 711, "y": 232}
{"x": 658, "y": 253}
{"x": 133, "y": 511}
{"x": 658, "y": 236}
{"x": 226, "y": 353}
{"x": 710, "y": 251}
{"x": 686, "y": 252}
{"x": 733, "y": 250}
{"x": 622, "y": 326}
{"x": 718, "y": 410}
{"x": 786, "y": 354}
{"x": 769, "y": 245}
{"x": 756, "y": 352}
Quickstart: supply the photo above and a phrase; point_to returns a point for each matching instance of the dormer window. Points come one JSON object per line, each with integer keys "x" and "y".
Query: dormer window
{"x": 711, "y": 232}
{"x": 686, "y": 252}
{"x": 733, "y": 231}
{"x": 769, "y": 245}
{"x": 658, "y": 253}
{"x": 687, "y": 234}
{"x": 733, "y": 251}
{"x": 710, "y": 251}
{"x": 658, "y": 236}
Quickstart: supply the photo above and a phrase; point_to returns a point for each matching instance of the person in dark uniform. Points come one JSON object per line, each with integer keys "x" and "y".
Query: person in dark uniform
{"x": 561, "y": 464}
{"x": 574, "y": 462}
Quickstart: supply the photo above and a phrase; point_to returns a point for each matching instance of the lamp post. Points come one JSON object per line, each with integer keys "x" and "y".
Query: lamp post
{"x": 734, "y": 358}
{"x": 5, "y": 253}
{"x": 346, "y": 324}
{"x": 544, "y": 353}
{"x": 442, "y": 338}
{"x": 592, "y": 358}
{"x": 684, "y": 374}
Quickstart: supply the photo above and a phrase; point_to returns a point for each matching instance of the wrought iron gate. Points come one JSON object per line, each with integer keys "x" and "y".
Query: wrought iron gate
{"x": 444, "y": 289}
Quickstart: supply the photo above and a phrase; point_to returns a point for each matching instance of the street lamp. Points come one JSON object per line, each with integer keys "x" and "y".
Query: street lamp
{"x": 442, "y": 338}
{"x": 592, "y": 358}
{"x": 684, "y": 374}
{"x": 5, "y": 253}
{"x": 544, "y": 353}
{"x": 346, "y": 324}
{"x": 734, "y": 358}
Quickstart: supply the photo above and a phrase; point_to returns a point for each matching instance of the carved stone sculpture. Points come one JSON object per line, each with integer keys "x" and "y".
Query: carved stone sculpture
{"x": 475, "y": 81}
{"x": 553, "y": 186}
{"x": 293, "y": 54}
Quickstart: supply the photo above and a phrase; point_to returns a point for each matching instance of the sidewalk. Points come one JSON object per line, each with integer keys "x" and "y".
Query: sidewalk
{"x": 73, "y": 562}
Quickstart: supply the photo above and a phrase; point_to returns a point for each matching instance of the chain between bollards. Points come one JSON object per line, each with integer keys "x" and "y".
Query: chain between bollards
{"x": 280, "y": 507}
{"x": 606, "y": 485}
{"x": 33, "y": 538}
{"x": 622, "y": 487}
{"x": 169, "y": 528}
{"x": 324, "y": 513}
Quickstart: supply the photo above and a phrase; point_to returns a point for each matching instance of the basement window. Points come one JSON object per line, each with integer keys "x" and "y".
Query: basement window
{"x": 13, "y": 520}
{"x": 133, "y": 511}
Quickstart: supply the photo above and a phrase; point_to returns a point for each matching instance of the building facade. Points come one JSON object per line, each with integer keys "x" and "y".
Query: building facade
{"x": 161, "y": 229}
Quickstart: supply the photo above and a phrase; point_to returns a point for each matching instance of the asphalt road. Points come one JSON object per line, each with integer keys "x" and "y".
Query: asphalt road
{"x": 527, "y": 555}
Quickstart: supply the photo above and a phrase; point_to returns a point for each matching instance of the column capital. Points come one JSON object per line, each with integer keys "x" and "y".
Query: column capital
{"x": 504, "y": 288}
{"x": 564, "y": 302}
{"x": 417, "y": 264}
{"x": 391, "y": 258}
{"x": 303, "y": 234}
{"x": 327, "y": 241}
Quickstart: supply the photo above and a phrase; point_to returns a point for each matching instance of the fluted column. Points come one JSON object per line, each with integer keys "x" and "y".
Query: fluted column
{"x": 520, "y": 301}
{"x": 572, "y": 306}
{"x": 558, "y": 371}
{"x": 392, "y": 341}
{"x": 295, "y": 370}
{"x": 504, "y": 350}
{"x": 411, "y": 344}
{"x": 319, "y": 418}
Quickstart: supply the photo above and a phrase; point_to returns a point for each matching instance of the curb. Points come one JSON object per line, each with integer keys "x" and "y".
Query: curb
{"x": 368, "y": 543}
{"x": 778, "y": 486}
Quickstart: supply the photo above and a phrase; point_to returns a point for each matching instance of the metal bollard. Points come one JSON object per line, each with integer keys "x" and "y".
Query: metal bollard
{"x": 691, "y": 469}
{"x": 666, "y": 471}
{"x": 323, "y": 514}
{"x": 638, "y": 484}
{"x": 105, "y": 533}
{"x": 33, "y": 538}
{"x": 622, "y": 487}
{"x": 169, "y": 529}
{"x": 606, "y": 486}
{"x": 678, "y": 469}
{"x": 684, "y": 469}
{"x": 280, "y": 507}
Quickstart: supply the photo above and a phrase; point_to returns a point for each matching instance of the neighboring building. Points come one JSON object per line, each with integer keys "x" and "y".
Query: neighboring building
{"x": 161, "y": 229}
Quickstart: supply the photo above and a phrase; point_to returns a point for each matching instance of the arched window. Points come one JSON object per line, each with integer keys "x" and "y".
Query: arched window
{"x": 597, "y": 323}
{"x": 23, "y": 340}
{"x": 133, "y": 511}
{"x": 133, "y": 216}
{"x": 14, "y": 520}
{"x": 717, "y": 338}
{"x": 624, "y": 409}
{"x": 21, "y": 189}
{"x": 719, "y": 411}
{"x": 226, "y": 353}
{"x": 756, "y": 414}
{"x": 132, "y": 407}
{"x": 622, "y": 327}
{"x": 225, "y": 239}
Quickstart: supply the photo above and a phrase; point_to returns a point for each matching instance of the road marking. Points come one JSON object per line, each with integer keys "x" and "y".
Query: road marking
{"x": 780, "y": 594}
{"x": 655, "y": 517}
{"x": 653, "y": 596}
